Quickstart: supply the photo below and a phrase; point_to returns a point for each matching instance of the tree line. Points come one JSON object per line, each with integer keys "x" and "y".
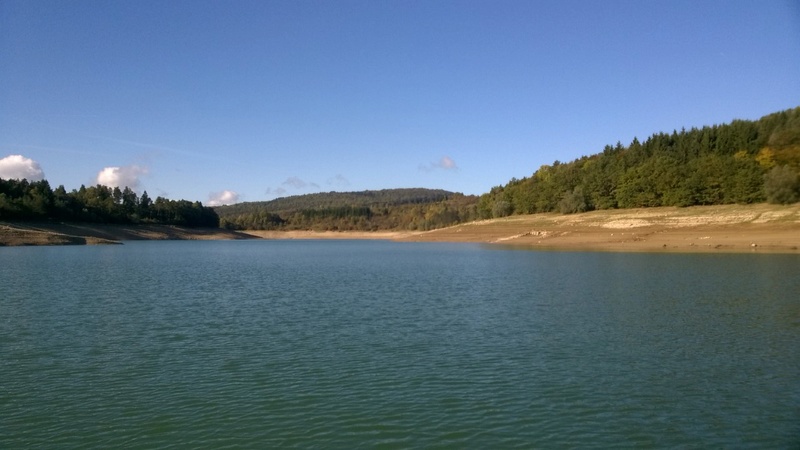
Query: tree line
{"x": 24, "y": 200}
{"x": 741, "y": 162}
{"x": 388, "y": 209}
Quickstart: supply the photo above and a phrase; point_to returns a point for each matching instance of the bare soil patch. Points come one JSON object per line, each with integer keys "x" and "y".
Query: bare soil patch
{"x": 728, "y": 228}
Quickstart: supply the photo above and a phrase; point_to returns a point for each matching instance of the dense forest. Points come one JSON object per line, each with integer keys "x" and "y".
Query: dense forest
{"x": 741, "y": 162}
{"x": 388, "y": 209}
{"x": 23, "y": 200}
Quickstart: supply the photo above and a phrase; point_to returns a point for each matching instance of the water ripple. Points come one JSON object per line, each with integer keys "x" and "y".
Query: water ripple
{"x": 231, "y": 345}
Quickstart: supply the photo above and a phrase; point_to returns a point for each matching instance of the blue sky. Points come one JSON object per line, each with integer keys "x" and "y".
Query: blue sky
{"x": 263, "y": 99}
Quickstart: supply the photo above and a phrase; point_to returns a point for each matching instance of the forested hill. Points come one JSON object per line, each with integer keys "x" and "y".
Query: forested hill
{"x": 335, "y": 199}
{"x": 388, "y": 209}
{"x": 741, "y": 162}
{"x": 23, "y": 200}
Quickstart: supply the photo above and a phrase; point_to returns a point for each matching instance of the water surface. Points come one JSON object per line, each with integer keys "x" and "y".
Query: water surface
{"x": 358, "y": 344}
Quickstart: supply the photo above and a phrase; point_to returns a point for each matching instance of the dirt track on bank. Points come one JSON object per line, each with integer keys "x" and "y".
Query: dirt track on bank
{"x": 729, "y": 228}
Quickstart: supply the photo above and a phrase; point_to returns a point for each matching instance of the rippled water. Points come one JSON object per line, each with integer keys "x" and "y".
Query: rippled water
{"x": 377, "y": 344}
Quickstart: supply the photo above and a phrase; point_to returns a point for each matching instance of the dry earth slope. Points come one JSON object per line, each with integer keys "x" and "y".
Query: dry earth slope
{"x": 726, "y": 228}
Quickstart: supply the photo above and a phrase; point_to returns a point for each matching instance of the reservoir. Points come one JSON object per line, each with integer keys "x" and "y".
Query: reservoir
{"x": 364, "y": 344}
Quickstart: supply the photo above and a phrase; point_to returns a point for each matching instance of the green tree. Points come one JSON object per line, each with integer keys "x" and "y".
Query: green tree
{"x": 501, "y": 208}
{"x": 130, "y": 201}
{"x": 145, "y": 206}
{"x": 782, "y": 185}
{"x": 573, "y": 202}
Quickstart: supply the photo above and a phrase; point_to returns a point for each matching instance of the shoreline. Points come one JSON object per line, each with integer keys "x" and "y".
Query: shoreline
{"x": 46, "y": 233}
{"x": 327, "y": 235}
{"x": 760, "y": 228}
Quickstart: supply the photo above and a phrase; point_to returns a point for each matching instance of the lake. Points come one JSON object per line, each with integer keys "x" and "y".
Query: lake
{"x": 364, "y": 344}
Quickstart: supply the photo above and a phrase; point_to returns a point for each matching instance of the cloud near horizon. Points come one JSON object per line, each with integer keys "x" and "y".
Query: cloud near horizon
{"x": 338, "y": 181}
{"x": 225, "y": 197}
{"x": 19, "y": 167}
{"x": 275, "y": 191}
{"x": 294, "y": 184}
{"x": 445, "y": 163}
{"x": 297, "y": 183}
{"x": 125, "y": 176}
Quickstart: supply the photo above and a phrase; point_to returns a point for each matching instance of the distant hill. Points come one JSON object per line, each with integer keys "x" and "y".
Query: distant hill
{"x": 387, "y": 209}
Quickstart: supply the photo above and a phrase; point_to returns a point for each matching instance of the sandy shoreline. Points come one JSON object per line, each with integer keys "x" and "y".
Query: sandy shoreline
{"x": 758, "y": 228}
{"x": 298, "y": 234}
{"x": 17, "y": 234}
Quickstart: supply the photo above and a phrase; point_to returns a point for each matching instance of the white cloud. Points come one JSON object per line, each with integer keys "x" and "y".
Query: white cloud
{"x": 445, "y": 163}
{"x": 121, "y": 176}
{"x": 223, "y": 198}
{"x": 19, "y": 167}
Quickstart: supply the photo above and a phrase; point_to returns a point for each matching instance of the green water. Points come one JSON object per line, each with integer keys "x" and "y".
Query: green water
{"x": 361, "y": 344}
